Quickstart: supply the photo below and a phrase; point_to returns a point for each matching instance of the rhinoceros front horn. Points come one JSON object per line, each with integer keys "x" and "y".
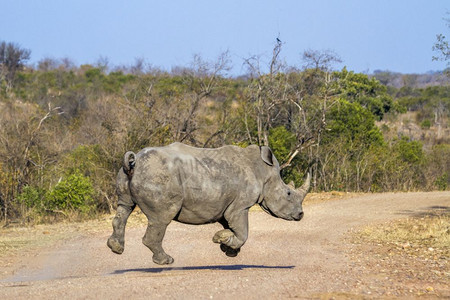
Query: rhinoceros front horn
{"x": 303, "y": 190}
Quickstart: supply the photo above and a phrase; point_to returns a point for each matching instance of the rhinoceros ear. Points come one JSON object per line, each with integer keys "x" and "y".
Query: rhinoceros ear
{"x": 291, "y": 184}
{"x": 266, "y": 155}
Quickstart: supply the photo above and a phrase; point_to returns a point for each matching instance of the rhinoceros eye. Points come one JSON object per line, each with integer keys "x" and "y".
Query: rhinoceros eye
{"x": 289, "y": 192}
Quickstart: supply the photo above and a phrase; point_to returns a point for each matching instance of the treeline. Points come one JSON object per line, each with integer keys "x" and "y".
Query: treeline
{"x": 399, "y": 80}
{"x": 64, "y": 129}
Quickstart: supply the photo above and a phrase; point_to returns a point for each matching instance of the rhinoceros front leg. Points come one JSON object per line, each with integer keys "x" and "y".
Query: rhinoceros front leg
{"x": 153, "y": 240}
{"x": 231, "y": 239}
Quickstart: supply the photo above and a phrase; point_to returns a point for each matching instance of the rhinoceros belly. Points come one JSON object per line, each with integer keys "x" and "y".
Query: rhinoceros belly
{"x": 206, "y": 197}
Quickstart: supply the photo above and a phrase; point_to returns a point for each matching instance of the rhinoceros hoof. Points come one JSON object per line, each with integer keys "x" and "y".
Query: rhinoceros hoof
{"x": 162, "y": 259}
{"x": 115, "y": 245}
{"x": 223, "y": 236}
{"x": 229, "y": 251}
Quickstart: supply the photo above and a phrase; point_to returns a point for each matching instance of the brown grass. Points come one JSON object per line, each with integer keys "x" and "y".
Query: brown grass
{"x": 15, "y": 239}
{"x": 411, "y": 255}
{"x": 426, "y": 235}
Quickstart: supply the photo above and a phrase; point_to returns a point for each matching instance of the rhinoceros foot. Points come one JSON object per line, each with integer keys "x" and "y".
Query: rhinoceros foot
{"x": 223, "y": 236}
{"x": 229, "y": 251}
{"x": 162, "y": 259}
{"x": 115, "y": 245}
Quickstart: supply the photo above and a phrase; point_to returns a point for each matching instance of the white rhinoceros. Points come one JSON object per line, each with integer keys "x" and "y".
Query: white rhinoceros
{"x": 199, "y": 186}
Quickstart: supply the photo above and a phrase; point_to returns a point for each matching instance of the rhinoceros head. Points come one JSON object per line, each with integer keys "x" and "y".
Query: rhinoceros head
{"x": 279, "y": 199}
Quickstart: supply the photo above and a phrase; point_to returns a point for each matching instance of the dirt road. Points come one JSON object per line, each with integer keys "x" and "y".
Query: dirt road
{"x": 281, "y": 259}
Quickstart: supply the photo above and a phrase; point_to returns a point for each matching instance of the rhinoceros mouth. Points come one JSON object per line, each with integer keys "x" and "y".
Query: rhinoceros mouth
{"x": 267, "y": 210}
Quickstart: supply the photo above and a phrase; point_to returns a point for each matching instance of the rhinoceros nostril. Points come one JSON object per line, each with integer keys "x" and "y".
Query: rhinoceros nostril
{"x": 299, "y": 217}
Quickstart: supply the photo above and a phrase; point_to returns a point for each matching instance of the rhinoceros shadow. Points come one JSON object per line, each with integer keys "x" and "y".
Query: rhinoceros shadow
{"x": 192, "y": 268}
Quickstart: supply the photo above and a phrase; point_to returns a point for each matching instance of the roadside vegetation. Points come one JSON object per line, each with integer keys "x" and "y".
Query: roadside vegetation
{"x": 64, "y": 128}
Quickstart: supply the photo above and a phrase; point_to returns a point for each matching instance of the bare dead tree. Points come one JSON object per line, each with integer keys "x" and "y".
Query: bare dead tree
{"x": 19, "y": 148}
{"x": 203, "y": 78}
{"x": 265, "y": 91}
{"x": 320, "y": 59}
{"x": 33, "y": 134}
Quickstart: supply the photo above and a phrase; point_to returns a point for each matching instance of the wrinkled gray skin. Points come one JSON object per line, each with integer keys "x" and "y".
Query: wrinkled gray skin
{"x": 199, "y": 186}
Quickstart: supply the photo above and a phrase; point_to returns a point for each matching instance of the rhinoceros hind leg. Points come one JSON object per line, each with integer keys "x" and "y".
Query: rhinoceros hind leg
{"x": 116, "y": 241}
{"x": 153, "y": 240}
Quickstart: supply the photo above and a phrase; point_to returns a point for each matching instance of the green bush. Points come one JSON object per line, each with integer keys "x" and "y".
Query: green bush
{"x": 425, "y": 124}
{"x": 442, "y": 182}
{"x": 31, "y": 196}
{"x": 410, "y": 151}
{"x": 74, "y": 193}
{"x": 439, "y": 166}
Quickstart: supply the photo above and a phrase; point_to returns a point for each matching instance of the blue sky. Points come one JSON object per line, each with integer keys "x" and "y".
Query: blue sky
{"x": 394, "y": 35}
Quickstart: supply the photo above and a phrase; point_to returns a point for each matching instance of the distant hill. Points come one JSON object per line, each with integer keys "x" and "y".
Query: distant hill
{"x": 399, "y": 80}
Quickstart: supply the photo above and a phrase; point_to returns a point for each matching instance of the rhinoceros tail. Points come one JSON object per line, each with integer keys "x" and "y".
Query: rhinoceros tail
{"x": 129, "y": 161}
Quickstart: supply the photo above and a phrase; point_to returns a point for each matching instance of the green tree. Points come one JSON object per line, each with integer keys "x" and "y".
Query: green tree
{"x": 281, "y": 142}
{"x": 12, "y": 60}
{"x": 368, "y": 92}
{"x": 345, "y": 160}
{"x": 354, "y": 124}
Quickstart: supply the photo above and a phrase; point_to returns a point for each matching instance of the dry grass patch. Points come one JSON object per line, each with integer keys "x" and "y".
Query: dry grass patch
{"x": 18, "y": 241}
{"x": 420, "y": 236}
{"x": 13, "y": 239}
{"x": 407, "y": 257}
{"x": 19, "y": 238}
